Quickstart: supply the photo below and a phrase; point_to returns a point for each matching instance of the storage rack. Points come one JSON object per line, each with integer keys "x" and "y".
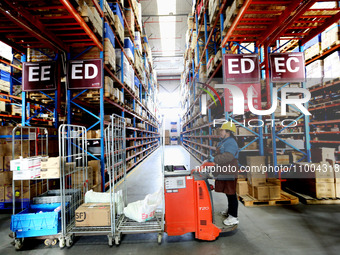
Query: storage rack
{"x": 248, "y": 28}
{"x": 61, "y": 28}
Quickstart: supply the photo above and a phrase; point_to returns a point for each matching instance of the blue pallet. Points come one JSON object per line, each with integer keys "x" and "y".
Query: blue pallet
{"x": 109, "y": 34}
{"x": 116, "y": 11}
{"x": 37, "y": 220}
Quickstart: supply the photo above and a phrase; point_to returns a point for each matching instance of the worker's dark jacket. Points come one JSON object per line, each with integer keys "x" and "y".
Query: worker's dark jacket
{"x": 226, "y": 155}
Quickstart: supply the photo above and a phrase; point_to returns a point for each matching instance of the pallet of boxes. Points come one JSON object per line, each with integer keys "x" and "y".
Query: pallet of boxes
{"x": 318, "y": 181}
{"x": 167, "y": 137}
{"x": 258, "y": 189}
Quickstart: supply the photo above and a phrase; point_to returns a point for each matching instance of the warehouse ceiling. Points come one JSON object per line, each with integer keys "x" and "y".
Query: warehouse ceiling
{"x": 165, "y": 24}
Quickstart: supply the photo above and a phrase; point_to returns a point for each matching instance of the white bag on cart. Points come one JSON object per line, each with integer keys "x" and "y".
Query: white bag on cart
{"x": 143, "y": 210}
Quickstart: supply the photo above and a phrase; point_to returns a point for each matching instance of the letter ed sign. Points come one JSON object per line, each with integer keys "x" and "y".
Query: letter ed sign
{"x": 37, "y": 76}
{"x": 287, "y": 67}
{"x": 241, "y": 68}
{"x": 85, "y": 74}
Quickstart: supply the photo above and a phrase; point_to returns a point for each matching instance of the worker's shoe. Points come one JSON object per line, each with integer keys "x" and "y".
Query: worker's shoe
{"x": 230, "y": 221}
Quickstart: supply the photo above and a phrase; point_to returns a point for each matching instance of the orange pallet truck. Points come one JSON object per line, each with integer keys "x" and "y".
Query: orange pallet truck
{"x": 189, "y": 205}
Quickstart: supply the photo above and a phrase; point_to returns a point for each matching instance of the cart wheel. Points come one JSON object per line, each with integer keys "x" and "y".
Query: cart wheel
{"x": 159, "y": 239}
{"x": 110, "y": 240}
{"x": 117, "y": 239}
{"x": 61, "y": 242}
{"x": 48, "y": 242}
{"x": 18, "y": 244}
{"x": 69, "y": 242}
{"x": 54, "y": 241}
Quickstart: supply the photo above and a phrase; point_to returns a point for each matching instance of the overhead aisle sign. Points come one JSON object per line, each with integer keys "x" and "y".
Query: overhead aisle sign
{"x": 38, "y": 76}
{"x": 287, "y": 67}
{"x": 241, "y": 76}
{"x": 85, "y": 74}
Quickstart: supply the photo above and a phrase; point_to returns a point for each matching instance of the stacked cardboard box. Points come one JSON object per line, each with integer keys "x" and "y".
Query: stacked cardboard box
{"x": 130, "y": 19}
{"x": 330, "y": 37}
{"x": 50, "y": 168}
{"x": 319, "y": 180}
{"x": 259, "y": 186}
{"x": 108, "y": 89}
{"x": 97, "y": 177}
{"x": 93, "y": 215}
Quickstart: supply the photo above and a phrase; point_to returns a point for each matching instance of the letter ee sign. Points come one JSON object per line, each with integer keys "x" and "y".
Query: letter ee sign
{"x": 287, "y": 67}
{"x": 85, "y": 74}
{"x": 241, "y": 68}
{"x": 37, "y": 76}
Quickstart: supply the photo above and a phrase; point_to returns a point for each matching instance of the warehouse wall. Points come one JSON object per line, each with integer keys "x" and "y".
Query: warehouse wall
{"x": 169, "y": 101}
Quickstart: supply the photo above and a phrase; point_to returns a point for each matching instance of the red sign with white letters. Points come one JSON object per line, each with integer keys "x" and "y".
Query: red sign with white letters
{"x": 287, "y": 67}
{"x": 241, "y": 68}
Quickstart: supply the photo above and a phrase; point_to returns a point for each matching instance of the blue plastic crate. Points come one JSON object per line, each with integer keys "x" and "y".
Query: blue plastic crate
{"x": 116, "y": 11}
{"x": 5, "y": 76}
{"x": 37, "y": 220}
{"x": 128, "y": 44}
{"x": 109, "y": 34}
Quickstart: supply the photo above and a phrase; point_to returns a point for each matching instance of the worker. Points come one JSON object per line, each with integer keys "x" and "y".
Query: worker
{"x": 226, "y": 155}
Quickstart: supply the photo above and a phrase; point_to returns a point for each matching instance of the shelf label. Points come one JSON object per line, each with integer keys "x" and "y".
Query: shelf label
{"x": 37, "y": 76}
{"x": 241, "y": 68}
{"x": 287, "y": 67}
{"x": 85, "y": 74}
{"x": 236, "y": 94}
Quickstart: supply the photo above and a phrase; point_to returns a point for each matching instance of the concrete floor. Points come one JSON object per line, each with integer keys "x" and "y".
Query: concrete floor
{"x": 299, "y": 229}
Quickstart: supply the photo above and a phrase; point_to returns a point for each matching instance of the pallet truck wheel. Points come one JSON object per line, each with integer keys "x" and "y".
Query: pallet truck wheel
{"x": 18, "y": 244}
{"x": 54, "y": 241}
{"x": 62, "y": 243}
{"x": 159, "y": 239}
{"x": 110, "y": 241}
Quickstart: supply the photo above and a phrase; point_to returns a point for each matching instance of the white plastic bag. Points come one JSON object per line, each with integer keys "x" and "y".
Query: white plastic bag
{"x": 104, "y": 197}
{"x": 144, "y": 210}
{"x": 97, "y": 197}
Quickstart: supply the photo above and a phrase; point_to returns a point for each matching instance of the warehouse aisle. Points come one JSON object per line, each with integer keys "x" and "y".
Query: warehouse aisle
{"x": 297, "y": 229}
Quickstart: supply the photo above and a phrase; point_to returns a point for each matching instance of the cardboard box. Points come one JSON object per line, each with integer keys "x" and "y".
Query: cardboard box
{"x": 317, "y": 171}
{"x": 323, "y": 154}
{"x": 250, "y": 190}
{"x": 242, "y": 188}
{"x": 256, "y": 160}
{"x": 7, "y": 163}
{"x": 167, "y": 133}
{"x": 20, "y": 193}
{"x": 49, "y": 173}
{"x": 243, "y": 131}
{"x": 337, "y": 190}
{"x": 261, "y": 192}
{"x": 51, "y": 163}
{"x": 6, "y": 178}
{"x": 324, "y": 190}
{"x": 274, "y": 191}
{"x": 97, "y": 176}
{"x": 93, "y": 215}
{"x": 2, "y": 194}
{"x": 252, "y": 146}
{"x": 1, "y": 163}
{"x": 257, "y": 180}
